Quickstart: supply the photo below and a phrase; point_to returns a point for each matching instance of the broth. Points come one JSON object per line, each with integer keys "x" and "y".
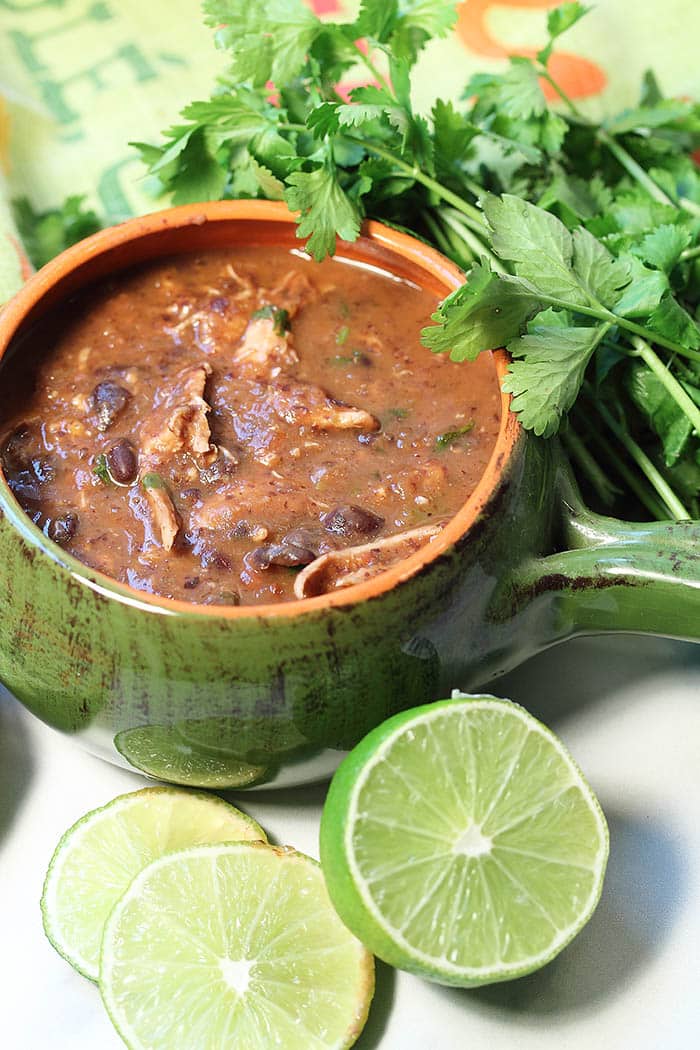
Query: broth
{"x": 205, "y": 427}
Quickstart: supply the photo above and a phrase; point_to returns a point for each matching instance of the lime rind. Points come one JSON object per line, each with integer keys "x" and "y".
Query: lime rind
{"x": 187, "y": 919}
{"x": 74, "y": 906}
{"x": 415, "y": 856}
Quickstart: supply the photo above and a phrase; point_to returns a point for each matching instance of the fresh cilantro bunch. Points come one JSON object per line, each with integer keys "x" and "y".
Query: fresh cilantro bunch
{"x": 581, "y": 239}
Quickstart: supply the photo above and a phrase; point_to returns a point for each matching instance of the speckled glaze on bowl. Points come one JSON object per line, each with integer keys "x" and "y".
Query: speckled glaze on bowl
{"x": 237, "y": 697}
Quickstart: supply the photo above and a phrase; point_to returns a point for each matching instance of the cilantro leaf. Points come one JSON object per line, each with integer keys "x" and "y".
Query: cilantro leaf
{"x": 663, "y": 246}
{"x": 665, "y": 112}
{"x": 277, "y": 314}
{"x": 487, "y": 311}
{"x": 270, "y": 186}
{"x": 538, "y": 244}
{"x": 405, "y": 28}
{"x": 645, "y": 290}
{"x": 377, "y": 20}
{"x": 600, "y": 273}
{"x": 267, "y": 39}
{"x": 101, "y": 470}
{"x": 633, "y": 212}
{"x": 547, "y": 372}
{"x": 448, "y": 437}
{"x": 516, "y": 93}
{"x": 672, "y": 320}
{"x": 46, "y": 234}
{"x": 575, "y": 199}
{"x": 199, "y": 176}
{"x": 452, "y": 138}
{"x": 663, "y": 414}
{"x": 651, "y": 92}
{"x": 564, "y": 17}
{"x": 326, "y": 210}
{"x": 511, "y": 107}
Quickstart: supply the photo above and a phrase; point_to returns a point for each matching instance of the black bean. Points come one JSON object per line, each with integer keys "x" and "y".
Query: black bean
{"x": 257, "y": 559}
{"x": 303, "y": 538}
{"x": 63, "y": 529}
{"x": 290, "y": 555}
{"x": 219, "y": 305}
{"x": 25, "y": 485}
{"x": 14, "y": 451}
{"x": 348, "y": 520}
{"x": 223, "y": 598}
{"x": 122, "y": 462}
{"x": 108, "y": 400}
{"x": 216, "y": 560}
{"x": 190, "y": 494}
{"x": 191, "y": 582}
{"x": 286, "y": 555}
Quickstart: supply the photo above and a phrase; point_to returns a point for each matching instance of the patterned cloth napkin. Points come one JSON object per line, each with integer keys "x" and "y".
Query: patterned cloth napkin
{"x": 79, "y": 79}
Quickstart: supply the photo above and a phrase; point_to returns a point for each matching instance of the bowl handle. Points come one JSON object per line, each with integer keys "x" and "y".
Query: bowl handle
{"x": 609, "y": 575}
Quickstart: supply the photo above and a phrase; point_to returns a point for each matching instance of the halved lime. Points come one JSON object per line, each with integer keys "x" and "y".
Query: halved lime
{"x": 99, "y": 856}
{"x": 233, "y": 945}
{"x": 460, "y": 841}
{"x": 161, "y": 752}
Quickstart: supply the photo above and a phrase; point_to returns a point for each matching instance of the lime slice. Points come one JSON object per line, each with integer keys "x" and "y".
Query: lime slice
{"x": 460, "y": 842}
{"x": 161, "y": 752}
{"x": 233, "y": 945}
{"x": 98, "y": 857}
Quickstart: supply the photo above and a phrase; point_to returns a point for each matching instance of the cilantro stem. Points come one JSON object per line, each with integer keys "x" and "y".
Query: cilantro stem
{"x": 415, "y": 172}
{"x": 655, "y": 337}
{"x": 604, "y": 487}
{"x": 622, "y": 322}
{"x": 546, "y": 75}
{"x": 379, "y": 77}
{"x": 446, "y": 243}
{"x": 456, "y": 223}
{"x": 690, "y": 253}
{"x": 658, "y": 482}
{"x": 690, "y": 206}
{"x": 647, "y": 498}
{"x": 632, "y": 167}
{"x": 669, "y": 381}
{"x": 475, "y": 188}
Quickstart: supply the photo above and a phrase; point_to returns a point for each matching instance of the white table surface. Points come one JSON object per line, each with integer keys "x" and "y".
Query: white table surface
{"x": 628, "y": 708}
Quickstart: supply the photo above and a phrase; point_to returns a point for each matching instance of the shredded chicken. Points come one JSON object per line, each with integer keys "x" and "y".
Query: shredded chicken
{"x": 264, "y": 349}
{"x": 219, "y": 318}
{"x": 267, "y": 348}
{"x": 308, "y": 405}
{"x": 243, "y": 505}
{"x": 163, "y": 516}
{"x": 292, "y": 292}
{"x": 180, "y": 423}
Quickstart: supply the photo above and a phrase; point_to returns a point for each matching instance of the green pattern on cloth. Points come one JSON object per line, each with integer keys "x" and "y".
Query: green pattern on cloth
{"x": 79, "y": 79}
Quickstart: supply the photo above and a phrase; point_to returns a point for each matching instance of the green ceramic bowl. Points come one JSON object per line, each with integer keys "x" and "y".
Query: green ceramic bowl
{"x": 236, "y": 697}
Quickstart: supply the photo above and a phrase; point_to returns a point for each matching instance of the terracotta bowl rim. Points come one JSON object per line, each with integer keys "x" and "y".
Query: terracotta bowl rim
{"x": 410, "y": 248}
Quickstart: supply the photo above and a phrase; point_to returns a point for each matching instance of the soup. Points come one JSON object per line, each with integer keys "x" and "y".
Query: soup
{"x": 244, "y": 427}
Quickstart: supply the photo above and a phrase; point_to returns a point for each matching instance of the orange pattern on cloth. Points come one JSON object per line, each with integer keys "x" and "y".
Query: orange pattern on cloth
{"x": 578, "y": 76}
